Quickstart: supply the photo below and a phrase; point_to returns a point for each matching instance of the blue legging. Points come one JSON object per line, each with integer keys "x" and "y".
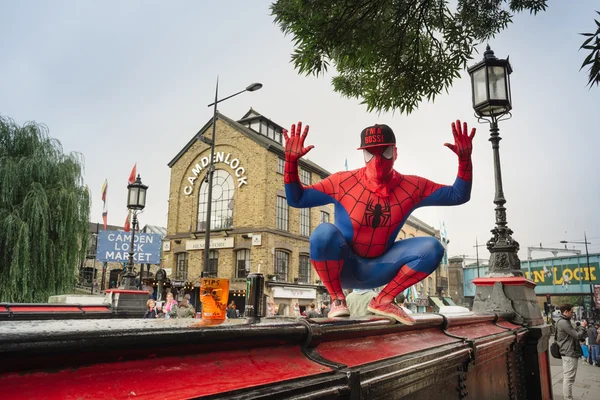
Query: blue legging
{"x": 421, "y": 254}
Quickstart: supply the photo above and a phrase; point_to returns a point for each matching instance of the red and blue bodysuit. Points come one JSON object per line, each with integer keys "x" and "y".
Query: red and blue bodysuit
{"x": 359, "y": 250}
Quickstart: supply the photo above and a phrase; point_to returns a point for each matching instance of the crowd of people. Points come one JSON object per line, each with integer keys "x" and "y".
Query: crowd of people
{"x": 170, "y": 308}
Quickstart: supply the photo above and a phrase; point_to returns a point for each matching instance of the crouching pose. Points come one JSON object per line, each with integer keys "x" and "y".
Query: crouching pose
{"x": 372, "y": 203}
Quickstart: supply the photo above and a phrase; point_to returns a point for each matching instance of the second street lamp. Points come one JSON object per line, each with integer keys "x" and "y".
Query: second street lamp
{"x": 211, "y": 168}
{"x": 136, "y": 202}
{"x": 589, "y": 272}
{"x": 492, "y": 102}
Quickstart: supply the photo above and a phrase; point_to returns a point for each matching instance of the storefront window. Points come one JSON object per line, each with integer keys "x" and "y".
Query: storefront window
{"x": 324, "y": 217}
{"x": 282, "y": 213}
{"x": 282, "y": 260}
{"x": 222, "y": 202}
{"x": 243, "y": 263}
{"x": 182, "y": 266}
{"x": 213, "y": 264}
{"x": 305, "y": 221}
{"x": 304, "y": 269}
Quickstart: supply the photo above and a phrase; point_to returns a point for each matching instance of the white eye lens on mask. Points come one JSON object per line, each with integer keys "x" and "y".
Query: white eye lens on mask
{"x": 389, "y": 152}
{"x": 368, "y": 156}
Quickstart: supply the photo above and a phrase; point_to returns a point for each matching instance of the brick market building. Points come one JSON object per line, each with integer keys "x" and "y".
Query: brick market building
{"x": 252, "y": 227}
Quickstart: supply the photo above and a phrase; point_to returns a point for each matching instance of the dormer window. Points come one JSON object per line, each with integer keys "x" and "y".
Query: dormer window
{"x": 262, "y": 126}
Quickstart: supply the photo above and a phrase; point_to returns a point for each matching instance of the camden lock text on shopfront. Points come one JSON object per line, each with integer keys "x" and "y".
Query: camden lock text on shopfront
{"x": 220, "y": 157}
{"x": 556, "y": 275}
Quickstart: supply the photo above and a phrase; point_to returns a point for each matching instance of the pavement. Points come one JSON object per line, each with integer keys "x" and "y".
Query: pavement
{"x": 587, "y": 381}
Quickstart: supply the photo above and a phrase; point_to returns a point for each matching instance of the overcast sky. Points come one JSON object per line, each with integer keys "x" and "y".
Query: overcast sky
{"x": 126, "y": 82}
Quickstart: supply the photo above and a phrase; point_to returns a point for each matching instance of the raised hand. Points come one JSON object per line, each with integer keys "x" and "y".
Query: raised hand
{"x": 463, "y": 143}
{"x": 294, "y": 144}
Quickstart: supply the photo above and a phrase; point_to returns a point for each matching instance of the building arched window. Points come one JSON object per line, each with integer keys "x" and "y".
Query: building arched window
{"x": 212, "y": 270}
{"x": 304, "y": 269}
{"x": 182, "y": 267}
{"x": 282, "y": 261}
{"x": 222, "y": 202}
{"x": 242, "y": 263}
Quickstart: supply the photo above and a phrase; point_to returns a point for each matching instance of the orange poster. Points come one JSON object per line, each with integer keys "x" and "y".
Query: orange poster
{"x": 214, "y": 293}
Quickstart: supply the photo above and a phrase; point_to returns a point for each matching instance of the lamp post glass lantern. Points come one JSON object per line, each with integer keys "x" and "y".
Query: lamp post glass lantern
{"x": 211, "y": 168}
{"x": 490, "y": 84}
{"x": 136, "y": 202}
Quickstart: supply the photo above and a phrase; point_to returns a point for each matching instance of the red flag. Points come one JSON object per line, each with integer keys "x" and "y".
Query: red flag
{"x": 132, "y": 174}
{"x": 127, "y": 224}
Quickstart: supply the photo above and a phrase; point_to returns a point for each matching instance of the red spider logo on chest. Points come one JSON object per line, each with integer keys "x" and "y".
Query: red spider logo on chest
{"x": 378, "y": 215}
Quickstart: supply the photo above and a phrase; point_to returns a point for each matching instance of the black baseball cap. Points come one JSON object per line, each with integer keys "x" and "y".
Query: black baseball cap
{"x": 377, "y": 135}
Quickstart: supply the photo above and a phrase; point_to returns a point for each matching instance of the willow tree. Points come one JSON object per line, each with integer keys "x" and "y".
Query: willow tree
{"x": 44, "y": 214}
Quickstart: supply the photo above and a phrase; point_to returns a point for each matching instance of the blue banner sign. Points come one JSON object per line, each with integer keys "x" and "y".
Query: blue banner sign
{"x": 113, "y": 246}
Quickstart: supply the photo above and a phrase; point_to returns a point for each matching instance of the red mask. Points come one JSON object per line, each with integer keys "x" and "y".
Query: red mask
{"x": 380, "y": 161}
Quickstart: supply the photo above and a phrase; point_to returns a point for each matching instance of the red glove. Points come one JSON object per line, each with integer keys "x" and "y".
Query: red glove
{"x": 294, "y": 150}
{"x": 462, "y": 147}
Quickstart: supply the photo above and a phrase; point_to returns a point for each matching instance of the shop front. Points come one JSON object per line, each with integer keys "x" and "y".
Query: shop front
{"x": 285, "y": 297}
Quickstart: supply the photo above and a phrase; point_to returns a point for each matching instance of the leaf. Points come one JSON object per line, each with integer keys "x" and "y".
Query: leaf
{"x": 586, "y": 42}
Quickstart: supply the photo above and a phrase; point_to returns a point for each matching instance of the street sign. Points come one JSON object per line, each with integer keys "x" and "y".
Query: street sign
{"x": 113, "y": 246}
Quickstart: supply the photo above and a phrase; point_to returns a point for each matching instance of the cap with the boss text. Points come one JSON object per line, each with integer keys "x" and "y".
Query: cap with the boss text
{"x": 377, "y": 135}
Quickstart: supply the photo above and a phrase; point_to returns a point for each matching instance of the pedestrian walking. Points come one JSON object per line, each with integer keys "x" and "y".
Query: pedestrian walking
{"x": 170, "y": 306}
{"x": 185, "y": 309}
{"x": 594, "y": 346}
{"x": 569, "y": 339}
{"x": 150, "y": 309}
{"x": 231, "y": 310}
{"x": 325, "y": 309}
{"x": 312, "y": 313}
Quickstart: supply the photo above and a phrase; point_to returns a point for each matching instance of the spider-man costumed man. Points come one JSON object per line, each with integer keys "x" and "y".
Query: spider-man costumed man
{"x": 372, "y": 203}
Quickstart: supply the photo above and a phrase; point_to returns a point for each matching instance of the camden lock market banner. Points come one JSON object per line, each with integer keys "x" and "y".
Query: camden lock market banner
{"x": 564, "y": 274}
{"x": 113, "y": 246}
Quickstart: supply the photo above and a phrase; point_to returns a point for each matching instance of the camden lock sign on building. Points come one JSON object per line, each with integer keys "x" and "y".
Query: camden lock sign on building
{"x": 113, "y": 246}
{"x": 220, "y": 157}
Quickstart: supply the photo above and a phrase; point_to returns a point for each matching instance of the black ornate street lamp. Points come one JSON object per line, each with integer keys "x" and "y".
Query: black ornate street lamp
{"x": 211, "y": 169}
{"x": 136, "y": 201}
{"x": 490, "y": 83}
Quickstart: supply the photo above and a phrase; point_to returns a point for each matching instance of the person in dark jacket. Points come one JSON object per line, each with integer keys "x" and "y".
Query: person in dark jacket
{"x": 569, "y": 338}
{"x": 594, "y": 353}
{"x": 312, "y": 313}
{"x": 150, "y": 309}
